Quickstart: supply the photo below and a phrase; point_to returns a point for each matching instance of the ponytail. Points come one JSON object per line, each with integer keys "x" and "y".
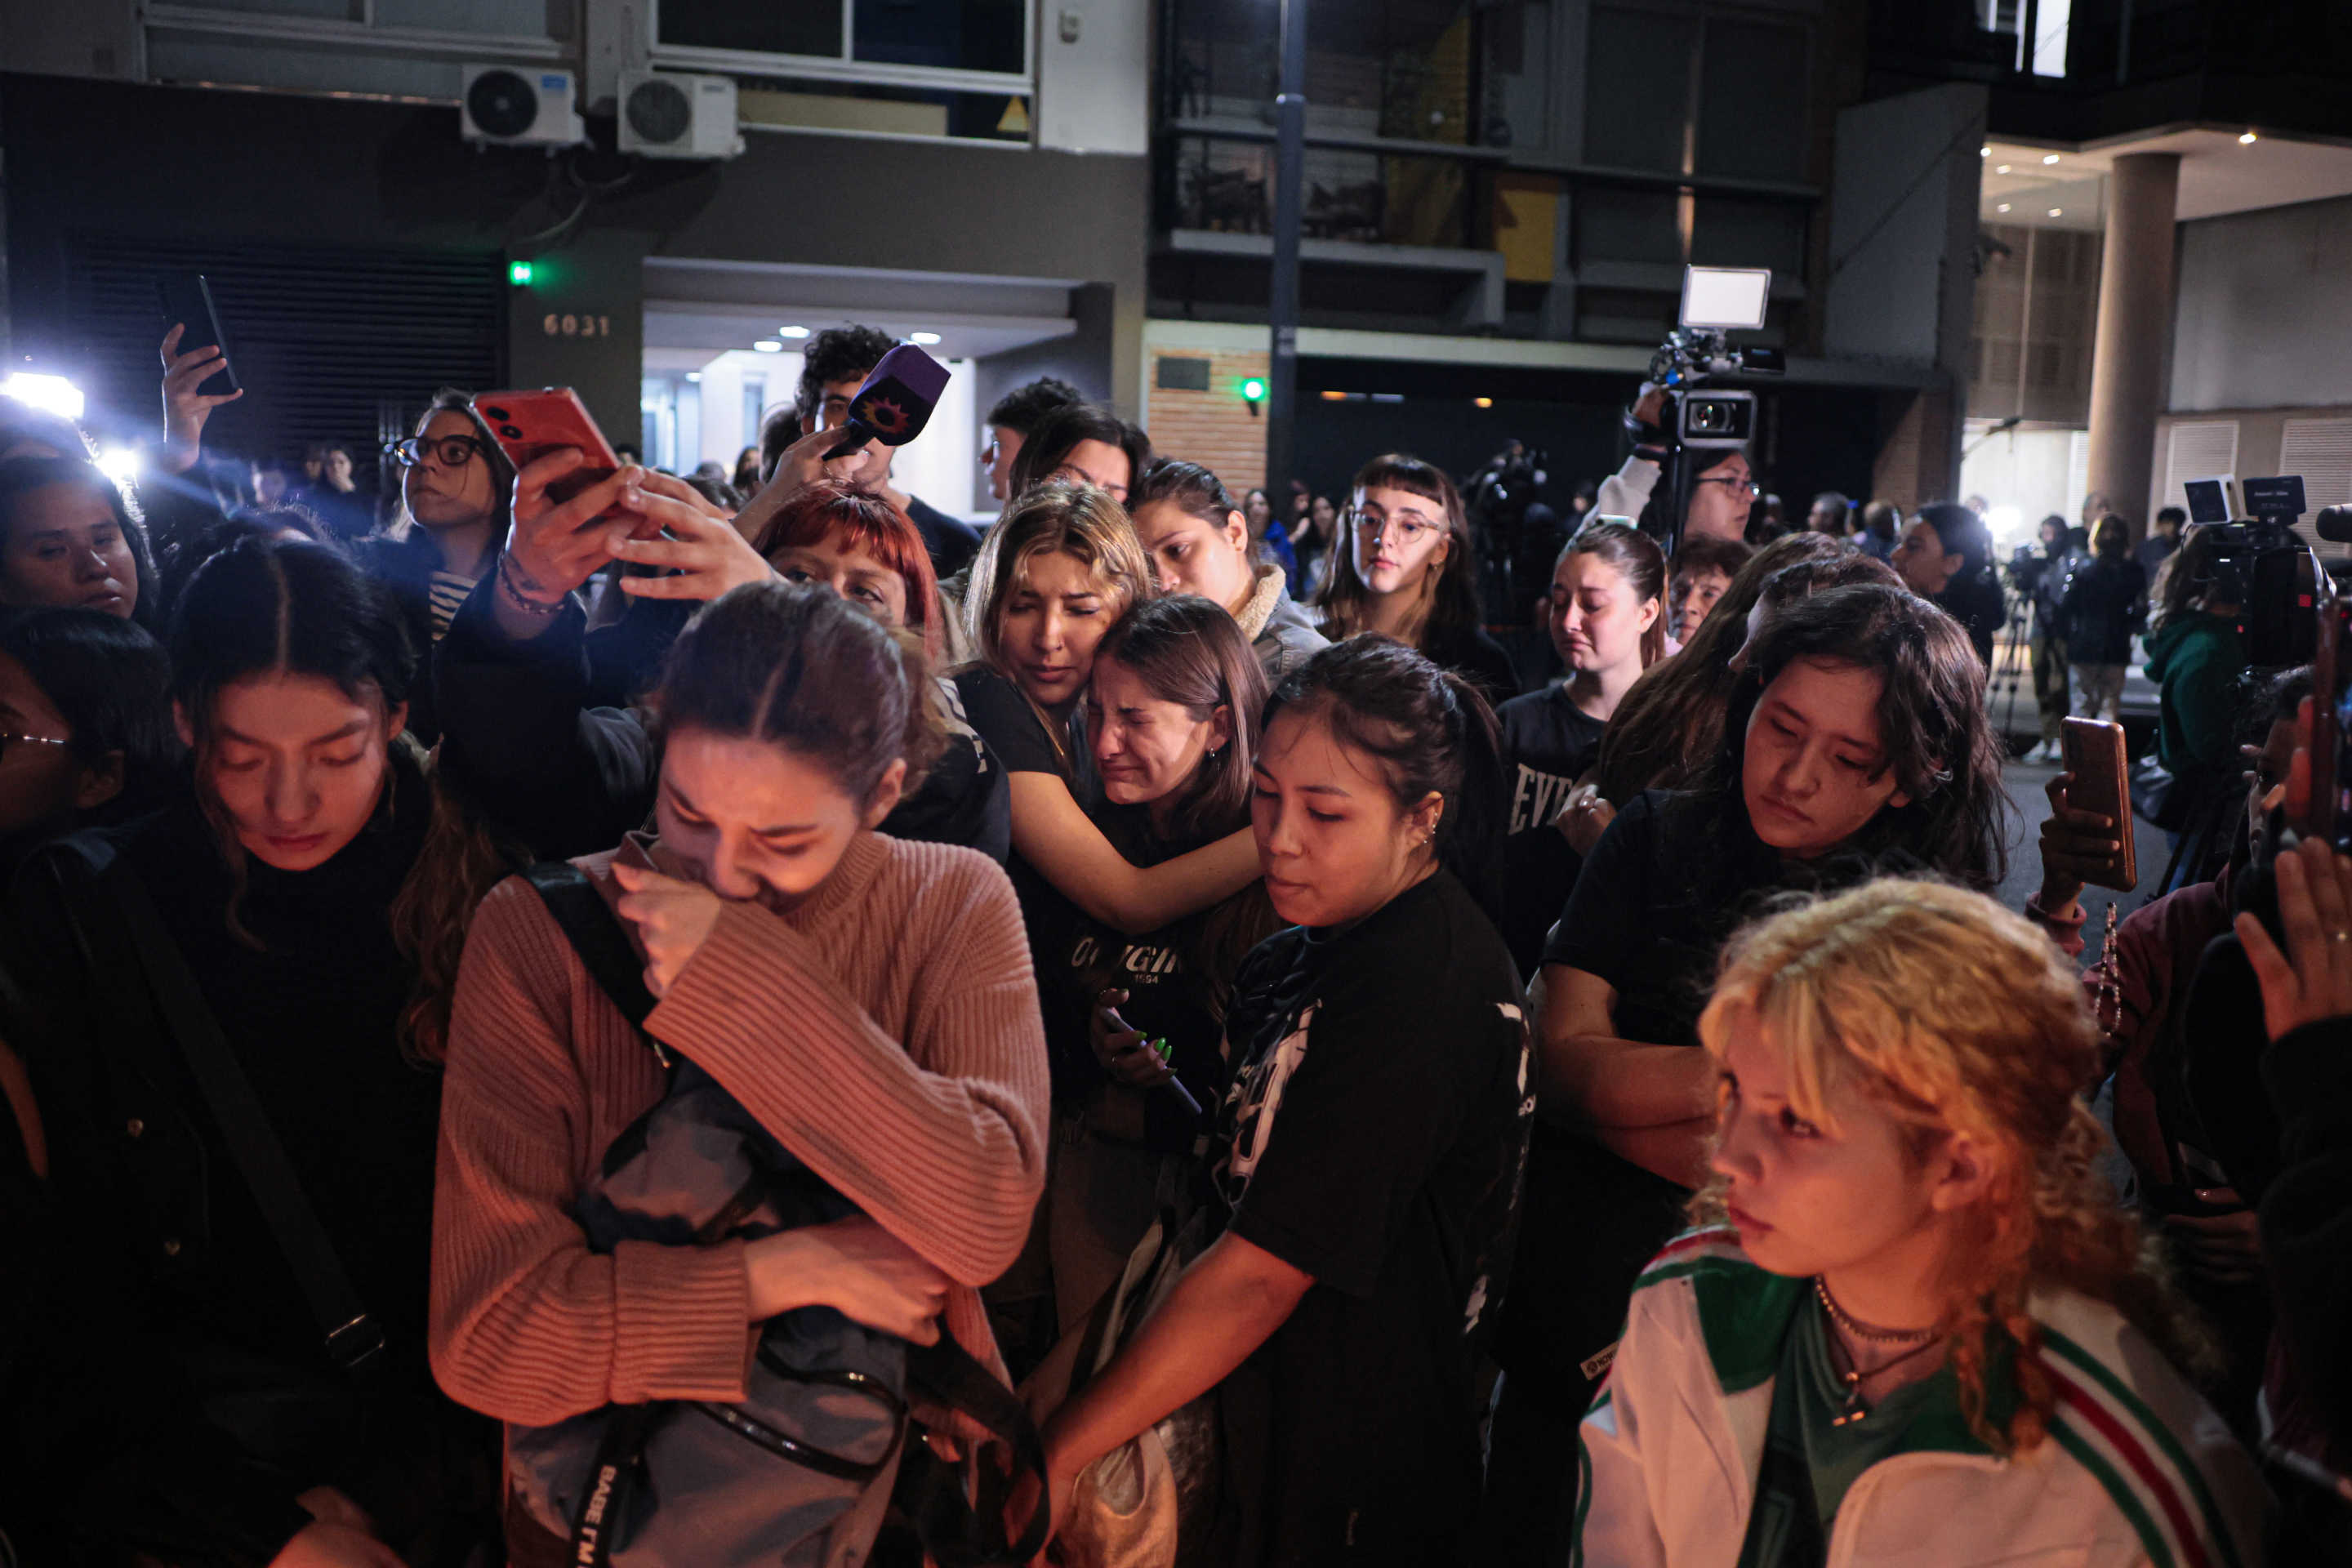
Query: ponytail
{"x": 1428, "y": 731}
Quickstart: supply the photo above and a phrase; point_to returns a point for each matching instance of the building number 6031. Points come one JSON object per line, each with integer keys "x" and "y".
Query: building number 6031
{"x": 570, "y": 326}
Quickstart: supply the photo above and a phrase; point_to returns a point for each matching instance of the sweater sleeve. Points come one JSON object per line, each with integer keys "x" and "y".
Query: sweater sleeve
{"x": 940, "y": 1139}
{"x": 529, "y": 1325}
{"x": 1625, "y": 492}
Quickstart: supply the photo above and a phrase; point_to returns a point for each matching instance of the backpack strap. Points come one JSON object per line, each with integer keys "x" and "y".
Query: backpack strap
{"x": 955, "y": 1532}
{"x": 114, "y": 908}
{"x": 595, "y": 934}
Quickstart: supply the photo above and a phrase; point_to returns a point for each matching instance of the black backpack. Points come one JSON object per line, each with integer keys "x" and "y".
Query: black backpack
{"x": 804, "y": 1470}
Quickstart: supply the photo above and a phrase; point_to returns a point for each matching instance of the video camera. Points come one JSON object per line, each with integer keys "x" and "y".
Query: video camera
{"x": 1716, "y": 302}
{"x": 2261, "y": 563}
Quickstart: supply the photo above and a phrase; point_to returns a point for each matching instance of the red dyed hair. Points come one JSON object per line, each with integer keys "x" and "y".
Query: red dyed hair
{"x": 868, "y": 524}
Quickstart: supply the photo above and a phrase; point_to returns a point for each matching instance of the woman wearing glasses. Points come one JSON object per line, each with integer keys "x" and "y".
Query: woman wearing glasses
{"x": 1721, "y": 493}
{"x": 1408, "y": 572}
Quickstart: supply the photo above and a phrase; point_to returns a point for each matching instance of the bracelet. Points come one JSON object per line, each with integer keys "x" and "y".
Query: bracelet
{"x": 515, "y": 595}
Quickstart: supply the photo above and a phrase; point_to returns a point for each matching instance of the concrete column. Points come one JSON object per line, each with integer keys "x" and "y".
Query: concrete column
{"x": 2135, "y": 329}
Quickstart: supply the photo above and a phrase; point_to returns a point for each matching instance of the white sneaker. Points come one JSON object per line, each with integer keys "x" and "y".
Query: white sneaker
{"x": 2041, "y": 752}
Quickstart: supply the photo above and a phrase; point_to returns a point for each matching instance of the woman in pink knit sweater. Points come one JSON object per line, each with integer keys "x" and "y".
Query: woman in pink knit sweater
{"x": 870, "y": 1001}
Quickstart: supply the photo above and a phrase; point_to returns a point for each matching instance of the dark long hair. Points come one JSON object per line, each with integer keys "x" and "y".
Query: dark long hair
{"x": 1187, "y": 650}
{"x": 1058, "y": 435}
{"x": 449, "y": 400}
{"x": 1934, "y": 732}
{"x": 1426, "y": 729}
{"x": 1667, "y": 725}
{"x": 798, "y": 667}
{"x": 21, "y": 477}
{"x": 110, "y": 682}
{"x": 1453, "y": 606}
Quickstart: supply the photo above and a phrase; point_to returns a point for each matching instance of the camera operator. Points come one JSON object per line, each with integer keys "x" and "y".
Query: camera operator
{"x": 1946, "y": 556}
{"x": 2196, "y": 652}
{"x": 1721, "y": 492}
{"x": 1517, "y": 536}
{"x": 2041, "y": 579}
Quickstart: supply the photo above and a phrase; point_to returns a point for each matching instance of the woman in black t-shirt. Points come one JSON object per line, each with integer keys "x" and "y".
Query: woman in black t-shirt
{"x": 1061, "y": 566}
{"x": 1371, "y": 1145}
{"x": 1606, "y": 616}
{"x": 1135, "y": 1023}
{"x": 1856, "y": 741}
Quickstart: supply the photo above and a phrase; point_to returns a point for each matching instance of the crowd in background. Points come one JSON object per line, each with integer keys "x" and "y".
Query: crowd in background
{"x": 499, "y": 995}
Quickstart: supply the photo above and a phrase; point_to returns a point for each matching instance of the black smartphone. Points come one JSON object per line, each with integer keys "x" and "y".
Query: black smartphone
{"x": 187, "y": 302}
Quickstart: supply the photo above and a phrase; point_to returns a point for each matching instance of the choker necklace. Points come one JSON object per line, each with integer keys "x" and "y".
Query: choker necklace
{"x": 1863, "y": 1330}
{"x": 1920, "y": 1341}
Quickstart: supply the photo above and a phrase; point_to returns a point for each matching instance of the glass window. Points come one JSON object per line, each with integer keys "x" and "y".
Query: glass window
{"x": 802, "y": 28}
{"x": 954, "y": 34}
{"x": 1752, "y": 101}
{"x": 1626, "y": 225}
{"x": 1637, "y": 89}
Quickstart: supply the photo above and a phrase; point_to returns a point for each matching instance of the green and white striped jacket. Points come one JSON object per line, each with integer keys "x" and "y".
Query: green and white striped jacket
{"x": 2138, "y": 1469}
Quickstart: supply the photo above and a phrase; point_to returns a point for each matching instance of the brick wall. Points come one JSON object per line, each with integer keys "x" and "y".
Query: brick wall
{"x": 1214, "y": 428}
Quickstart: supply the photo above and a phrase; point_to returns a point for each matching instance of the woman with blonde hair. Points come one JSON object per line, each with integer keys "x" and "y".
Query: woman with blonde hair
{"x": 1916, "y": 1324}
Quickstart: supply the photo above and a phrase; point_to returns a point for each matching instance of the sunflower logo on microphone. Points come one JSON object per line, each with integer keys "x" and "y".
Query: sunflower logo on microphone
{"x": 884, "y": 418}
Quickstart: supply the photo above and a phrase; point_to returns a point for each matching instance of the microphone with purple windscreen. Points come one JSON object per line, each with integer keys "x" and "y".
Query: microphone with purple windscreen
{"x": 896, "y": 402}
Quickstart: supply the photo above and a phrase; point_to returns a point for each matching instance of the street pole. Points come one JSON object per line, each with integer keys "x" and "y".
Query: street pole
{"x": 1282, "y": 312}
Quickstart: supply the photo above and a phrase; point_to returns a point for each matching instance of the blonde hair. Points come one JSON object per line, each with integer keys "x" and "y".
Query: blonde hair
{"x": 1060, "y": 517}
{"x": 1960, "y": 1018}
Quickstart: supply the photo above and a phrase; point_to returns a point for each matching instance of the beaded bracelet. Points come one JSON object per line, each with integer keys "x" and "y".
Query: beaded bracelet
{"x": 515, "y": 595}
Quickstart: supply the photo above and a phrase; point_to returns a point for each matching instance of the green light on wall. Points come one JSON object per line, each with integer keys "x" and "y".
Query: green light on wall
{"x": 518, "y": 274}
{"x": 1253, "y": 389}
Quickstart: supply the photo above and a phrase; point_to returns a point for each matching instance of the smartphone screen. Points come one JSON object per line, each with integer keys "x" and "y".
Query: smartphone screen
{"x": 187, "y": 302}
{"x": 2092, "y": 751}
{"x": 527, "y": 426}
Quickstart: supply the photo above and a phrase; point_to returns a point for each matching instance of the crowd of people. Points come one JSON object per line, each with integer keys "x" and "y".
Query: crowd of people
{"x": 622, "y": 1023}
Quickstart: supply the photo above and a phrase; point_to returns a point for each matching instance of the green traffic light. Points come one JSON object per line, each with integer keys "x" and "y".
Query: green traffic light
{"x": 519, "y": 273}
{"x": 1253, "y": 389}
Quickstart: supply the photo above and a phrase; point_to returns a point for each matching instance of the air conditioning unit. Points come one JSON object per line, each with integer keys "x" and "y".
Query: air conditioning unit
{"x": 520, "y": 106}
{"x": 668, "y": 114}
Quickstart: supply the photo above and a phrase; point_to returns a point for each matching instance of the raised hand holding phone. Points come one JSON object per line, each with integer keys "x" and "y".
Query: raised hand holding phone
{"x": 185, "y": 406}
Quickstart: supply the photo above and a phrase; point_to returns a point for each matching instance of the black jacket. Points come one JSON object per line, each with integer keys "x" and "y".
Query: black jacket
{"x": 183, "y": 1397}
{"x": 553, "y": 766}
{"x": 2104, "y": 607}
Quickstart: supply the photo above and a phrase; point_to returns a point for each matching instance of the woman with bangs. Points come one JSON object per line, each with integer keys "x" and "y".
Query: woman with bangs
{"x": 1856, "y": 742}
{"x": 1926, "y": 1333}
{"x": 570, "y": 771}
{"x": 1410, "y": 571}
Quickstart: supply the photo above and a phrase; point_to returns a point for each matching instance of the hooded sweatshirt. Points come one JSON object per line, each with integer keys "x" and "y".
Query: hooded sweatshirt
{"x": 2196, "y": 660}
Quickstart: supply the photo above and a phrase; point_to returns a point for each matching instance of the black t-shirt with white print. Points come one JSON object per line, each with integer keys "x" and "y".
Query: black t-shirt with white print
{"x": 1374, "y": 1138}
{"x": 1549, "y": 743}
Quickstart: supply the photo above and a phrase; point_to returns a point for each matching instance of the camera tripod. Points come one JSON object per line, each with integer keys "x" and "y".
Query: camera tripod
{"x": 2013, "y": 656}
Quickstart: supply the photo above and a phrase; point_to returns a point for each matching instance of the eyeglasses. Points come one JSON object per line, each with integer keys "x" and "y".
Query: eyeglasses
{"x": 9, "y": 741}
{"x": 1748, "y": 488}
{"x": 1409, "y": 530}
{"x": 448, "y": 451}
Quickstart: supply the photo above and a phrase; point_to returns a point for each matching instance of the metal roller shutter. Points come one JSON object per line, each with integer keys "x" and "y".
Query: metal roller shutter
{"x": 331, "y": 344}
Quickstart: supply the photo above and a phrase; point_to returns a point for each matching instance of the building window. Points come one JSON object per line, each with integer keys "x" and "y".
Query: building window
{"x": 988, "y": 36}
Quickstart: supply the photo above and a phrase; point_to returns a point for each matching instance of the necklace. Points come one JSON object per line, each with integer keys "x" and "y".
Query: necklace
{"x": 1921, "y": 1341}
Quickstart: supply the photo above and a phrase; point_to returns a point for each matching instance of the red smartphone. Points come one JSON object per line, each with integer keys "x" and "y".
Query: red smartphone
{"x": 530, "y": 425}
{"x": 2092, "y": 752}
